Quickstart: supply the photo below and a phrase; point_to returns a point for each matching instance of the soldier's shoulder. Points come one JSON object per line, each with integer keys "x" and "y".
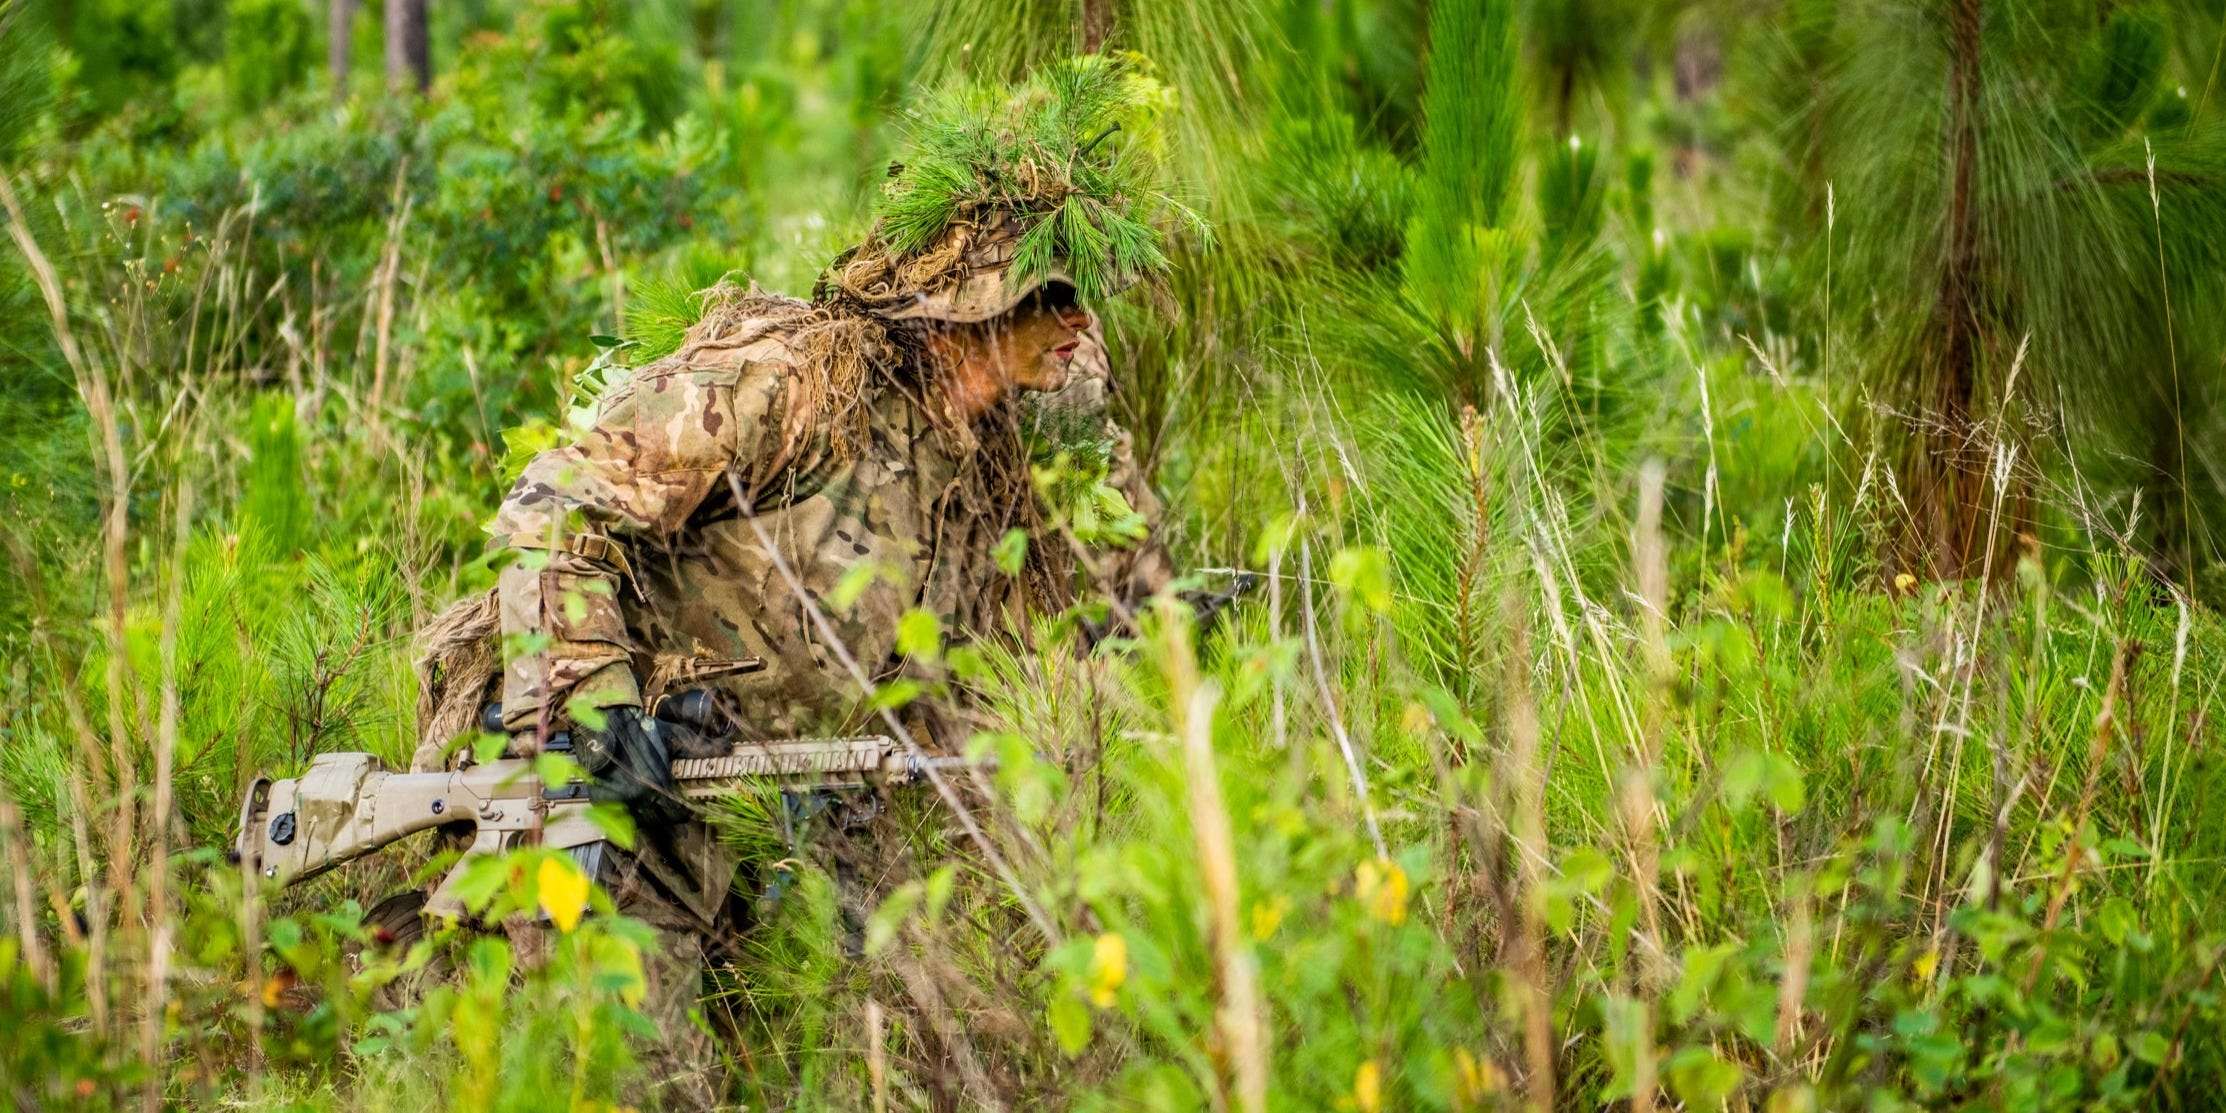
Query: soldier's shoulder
{"x": 743, "y": 333}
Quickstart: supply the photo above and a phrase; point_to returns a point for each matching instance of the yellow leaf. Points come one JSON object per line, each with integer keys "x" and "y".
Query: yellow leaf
{"x": 1108, "y": 969}
{"x": 1415, "y": 719}
{"x": 1267, "y": 915}
{"x": 1925, "y": 964}
{"x": 563, "y": 891}
{"x": 1904, "y": 581}
{"x": 1368, "y": 1087}
{"x": 1382, "y": 887}
{"x": 1479, "y": 1078}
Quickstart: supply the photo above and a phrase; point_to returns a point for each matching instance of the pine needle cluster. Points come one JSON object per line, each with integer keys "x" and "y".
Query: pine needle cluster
{"x": 1074, "y": 155}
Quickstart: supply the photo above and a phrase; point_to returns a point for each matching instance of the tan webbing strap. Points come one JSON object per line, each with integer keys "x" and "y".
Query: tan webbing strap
{"x": 588, "y": 546}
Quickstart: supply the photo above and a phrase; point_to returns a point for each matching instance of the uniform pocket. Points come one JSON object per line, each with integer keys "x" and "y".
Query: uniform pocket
{"x": 582, "y": 607}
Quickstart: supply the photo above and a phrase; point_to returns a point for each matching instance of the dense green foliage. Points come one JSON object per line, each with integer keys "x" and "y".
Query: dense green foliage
{"x": 1051, "y": 153}
{"x": 1739, "y": 488}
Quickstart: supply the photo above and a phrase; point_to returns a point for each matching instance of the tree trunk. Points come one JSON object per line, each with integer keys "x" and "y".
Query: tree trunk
{"x": 1947, "y": 470}
{"x": 340, "y": 16}
{"x": 1097, "y": 24}
{"x": 409, "y": 65}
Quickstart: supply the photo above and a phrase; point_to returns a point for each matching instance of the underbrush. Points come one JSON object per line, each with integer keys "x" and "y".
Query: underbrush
{"x": 1742, "y": 843}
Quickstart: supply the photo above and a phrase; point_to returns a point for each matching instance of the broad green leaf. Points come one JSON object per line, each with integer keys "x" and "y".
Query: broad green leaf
{"x": 1363, "y": 574}
{"x": 557, "y": 770}
{"x": 1011, "y": 551}
{"x": 1587, "y": 869}
{"x": 1700, "y": 1079}
{"x": 616, "y": 823}
{"x": 1070, "y": 1023}
{"x": 2150, "y": 1047}
{"x": 896, "y": 693}
{"x": 920, "y": 635}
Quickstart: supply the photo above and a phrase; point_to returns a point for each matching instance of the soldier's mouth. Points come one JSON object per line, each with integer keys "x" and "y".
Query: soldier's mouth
{"x": 1065, "y": 352}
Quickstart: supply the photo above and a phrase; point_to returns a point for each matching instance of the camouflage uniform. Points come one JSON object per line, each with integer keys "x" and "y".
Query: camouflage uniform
{"x": 647, "y": 565}
{"x": 656, "y": 534}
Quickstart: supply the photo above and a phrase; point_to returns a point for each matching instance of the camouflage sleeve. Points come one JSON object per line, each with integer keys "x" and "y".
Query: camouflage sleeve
{"x": 1139, "y": 571}
{"x": 580, "y": 514}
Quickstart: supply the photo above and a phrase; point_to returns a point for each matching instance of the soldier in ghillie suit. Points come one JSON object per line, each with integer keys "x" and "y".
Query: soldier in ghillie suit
{"x": 728, "y": 487}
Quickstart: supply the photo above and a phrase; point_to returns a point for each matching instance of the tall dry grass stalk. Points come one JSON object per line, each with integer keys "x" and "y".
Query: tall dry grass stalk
{"x": 24, "y": 920}
{"x": 877, "y": 1056}
{"x": 1524, "y": 784}
{"x": 1241, "y": 1018}
{"x": 385, "y": 279}
{"x": 92, "y": 378}
{"x": 161, "y": 923}
{"x": 1650, "y": 570}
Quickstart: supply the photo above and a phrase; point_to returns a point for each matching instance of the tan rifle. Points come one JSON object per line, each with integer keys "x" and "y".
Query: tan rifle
{"x": 347, "y": 805}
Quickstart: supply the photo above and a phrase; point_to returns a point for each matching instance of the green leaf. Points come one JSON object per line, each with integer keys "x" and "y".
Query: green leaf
{"x": 1070, "y": 1023}
{"x": 1363, "y": 574}
{"x": 1700, "y": 1079}
{"x": 1560, "y": 910}
{"x": 586, "y": 716}
{"x": 1011, "y": 551}
{"x": 2105, "y": 1051}
{"x": 2150, "y": 1047}
{"x": 966, "y": 663}
{"x": 557, "y": 770}
{"x": 1766, "y": 774}
{"x": 920, "y": 635}
{"x": 616, "y": 823}
{"x": 521, "y": 443}
{"x": 1697, "y": 980}
{"x": 481, "y": 880}
{"x": 852, "y": 586}
{"x": 284, "y": 934}
{"x": 1587, "y": 869}
{"x": 1275, "y": 538}
{"x": 2117, "y": 919}
{"x": 488, "y": 748}
{"x": 940, "y": 885}
{"x": 881, "y": 927}
{"x": 897, "y": 693}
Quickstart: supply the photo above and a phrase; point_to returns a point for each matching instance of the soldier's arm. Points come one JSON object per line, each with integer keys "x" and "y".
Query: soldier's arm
{"x": 1140, "y": 570}
{"x": 581, "y": 516}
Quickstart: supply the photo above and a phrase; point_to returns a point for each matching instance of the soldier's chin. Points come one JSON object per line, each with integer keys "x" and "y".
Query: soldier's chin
{"x": 1052, "y": 373}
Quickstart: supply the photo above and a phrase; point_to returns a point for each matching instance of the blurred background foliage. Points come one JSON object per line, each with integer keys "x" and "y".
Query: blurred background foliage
{"x": 1742, "y": 484}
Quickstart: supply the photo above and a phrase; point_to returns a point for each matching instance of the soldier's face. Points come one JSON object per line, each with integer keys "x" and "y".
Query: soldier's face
{"x": 1032, "y": 346}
